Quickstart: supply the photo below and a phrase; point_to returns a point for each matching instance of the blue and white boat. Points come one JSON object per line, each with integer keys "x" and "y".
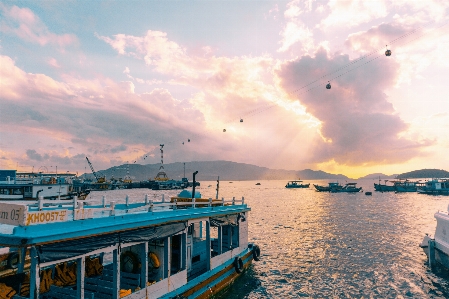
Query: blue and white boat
{"x": 182, "y": 248}
{"x": 435, "y": 187}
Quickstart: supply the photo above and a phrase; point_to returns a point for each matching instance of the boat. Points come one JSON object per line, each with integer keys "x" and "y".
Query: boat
{"x": 437, "y": 248}
{"x": 185, "y": 247}
{"x": 296, "y": 184}
{"x": 348, "y": 187}
{"x": 406, "y": 186}
{"x": 329, "y": 188}
{"x": 30, "y": 186}
{"x": 257, "y": 184}
{"x": 435, "y": 187}
{"x": 385, "y": 187}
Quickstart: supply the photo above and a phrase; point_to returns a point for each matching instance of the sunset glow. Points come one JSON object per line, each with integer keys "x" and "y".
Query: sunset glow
{"x": 113, "y": 80}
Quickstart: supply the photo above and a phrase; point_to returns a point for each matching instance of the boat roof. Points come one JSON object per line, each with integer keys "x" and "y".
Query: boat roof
{"x": 24, "y": 225}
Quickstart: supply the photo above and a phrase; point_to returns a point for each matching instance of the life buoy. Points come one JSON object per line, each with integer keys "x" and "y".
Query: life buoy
{"x": 153, "y": 261}
{"x": 129, "y": 262}
{"x": 256, "y": 253}
{"x": 238, "y": 264}
{"x": 13, "y": 260}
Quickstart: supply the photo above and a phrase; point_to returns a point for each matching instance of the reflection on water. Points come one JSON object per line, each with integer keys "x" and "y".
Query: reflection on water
{"x": 331, "y": 245}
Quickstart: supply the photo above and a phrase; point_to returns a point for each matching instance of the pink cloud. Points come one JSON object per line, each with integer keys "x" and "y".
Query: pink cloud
{"x": 23, "y": 23}
{"x": 356, "y": 115}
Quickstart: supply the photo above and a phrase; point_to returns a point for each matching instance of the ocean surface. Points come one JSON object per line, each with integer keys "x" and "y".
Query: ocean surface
{"x": 329, "y": 245}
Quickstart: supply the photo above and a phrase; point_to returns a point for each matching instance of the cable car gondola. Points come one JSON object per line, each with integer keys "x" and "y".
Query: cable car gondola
{"x": 387, "y": 52}
{"x": 241, "y": 120}
{"x": 328, "y": 85}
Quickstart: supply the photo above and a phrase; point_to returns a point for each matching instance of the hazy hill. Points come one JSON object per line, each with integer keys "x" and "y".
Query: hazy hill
{"x": 230, "y": 171}
{"x": 424, "y": 173}
{"x": 379, "y": 175}
{"x": 210, "y": 170}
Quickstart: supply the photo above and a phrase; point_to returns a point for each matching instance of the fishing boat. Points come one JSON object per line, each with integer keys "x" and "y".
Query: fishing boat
{"x": 435, "y": 187}
{"x": 30, "y": 186}
{"x": 385, "y": 187}
{"x": 348, "y": 187}
{"x": 329, "y": 188}
{"x": 437, "y": 248}
{"x": 185, "y": 247}
{"x": 296, "y": 184}
{"x": 406, "y": 186}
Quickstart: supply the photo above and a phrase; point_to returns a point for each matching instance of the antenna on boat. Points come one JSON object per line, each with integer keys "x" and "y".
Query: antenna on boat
{"x": 218, "y": 186}
{"x": 193, "y": 185}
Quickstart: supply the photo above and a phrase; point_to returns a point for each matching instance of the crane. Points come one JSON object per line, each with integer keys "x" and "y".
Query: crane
{"x": 99, "y": 179}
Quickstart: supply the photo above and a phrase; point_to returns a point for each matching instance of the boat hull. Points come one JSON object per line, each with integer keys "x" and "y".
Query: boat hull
{"x": 384, "y": 188}
{"x": 437, "y": 249}
{"x": 298, "y": 186}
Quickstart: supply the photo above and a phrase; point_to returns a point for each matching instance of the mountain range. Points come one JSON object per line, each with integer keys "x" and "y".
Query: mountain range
{"x": 228, "y": 171}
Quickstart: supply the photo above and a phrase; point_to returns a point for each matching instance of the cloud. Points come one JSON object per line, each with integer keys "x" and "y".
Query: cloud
{"x": 295, "y": 30}
{"x": 33, "y": 155}
{"x": 358, "y": 123}
{"x": 353, "y": 12}
{"x": 22, "y": 22}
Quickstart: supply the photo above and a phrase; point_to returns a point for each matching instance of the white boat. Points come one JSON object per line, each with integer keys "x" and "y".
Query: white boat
{"x": 182, "y": 248}
{"x": 28, "y": 185}
{"x": 437, "y": 248}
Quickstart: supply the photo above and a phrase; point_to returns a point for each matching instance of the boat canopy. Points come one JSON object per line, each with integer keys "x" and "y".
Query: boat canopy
{"x": 72, "y": 248}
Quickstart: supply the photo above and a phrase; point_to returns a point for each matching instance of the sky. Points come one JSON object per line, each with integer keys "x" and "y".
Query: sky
{"x": 241, "y": 81}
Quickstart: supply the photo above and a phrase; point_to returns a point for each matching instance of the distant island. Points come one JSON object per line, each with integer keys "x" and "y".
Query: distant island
{"x": 230, "y": 171}
{"x": 424, "y": 173}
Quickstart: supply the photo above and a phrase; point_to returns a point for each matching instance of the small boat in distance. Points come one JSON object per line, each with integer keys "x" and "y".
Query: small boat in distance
{"x": 407, "y": 186}
{"x": 329, "y": 188}
{"x": 296, "y": 184}
{"x": 258, "y": 184}
{"x": 349, "y": 187}
{"x": 435, "y": 187}
{"x": 385, "y": 187}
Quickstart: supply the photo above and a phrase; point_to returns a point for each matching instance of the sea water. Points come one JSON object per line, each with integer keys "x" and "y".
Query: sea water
{"x": 329, "y": 245}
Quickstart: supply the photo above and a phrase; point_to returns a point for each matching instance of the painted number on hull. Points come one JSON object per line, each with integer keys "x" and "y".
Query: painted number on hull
{"x": 46, "y": 217}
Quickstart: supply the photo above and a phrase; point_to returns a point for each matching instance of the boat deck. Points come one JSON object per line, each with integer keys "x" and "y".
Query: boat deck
{"x": 50, "y": 220}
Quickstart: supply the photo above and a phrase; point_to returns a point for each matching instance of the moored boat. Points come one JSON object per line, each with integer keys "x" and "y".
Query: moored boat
{"x": 30, "y": 186}
{"x": 406, "y": 186}
{"x": 332, "y": 186}
{"x": 437, "y": 248}
{"x": 348, "y": 187}
{"x": 296, "y": 184}
{"x": 385, "y": 187}
{"x": 182, "y": 248}
{"x": 435, "y": 187}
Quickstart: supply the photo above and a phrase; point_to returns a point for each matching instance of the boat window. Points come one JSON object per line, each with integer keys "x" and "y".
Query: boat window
{"x": 175, "y": 261}
{"x": 196, "y": 258}
{"x": 190, "y": 230}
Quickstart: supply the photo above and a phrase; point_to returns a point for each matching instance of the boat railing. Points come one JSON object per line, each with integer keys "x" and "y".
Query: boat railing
{"x": 50, "y": 211}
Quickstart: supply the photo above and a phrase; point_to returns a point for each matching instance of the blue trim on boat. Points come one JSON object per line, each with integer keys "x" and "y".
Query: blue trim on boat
{"x": 60, "y": 231}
